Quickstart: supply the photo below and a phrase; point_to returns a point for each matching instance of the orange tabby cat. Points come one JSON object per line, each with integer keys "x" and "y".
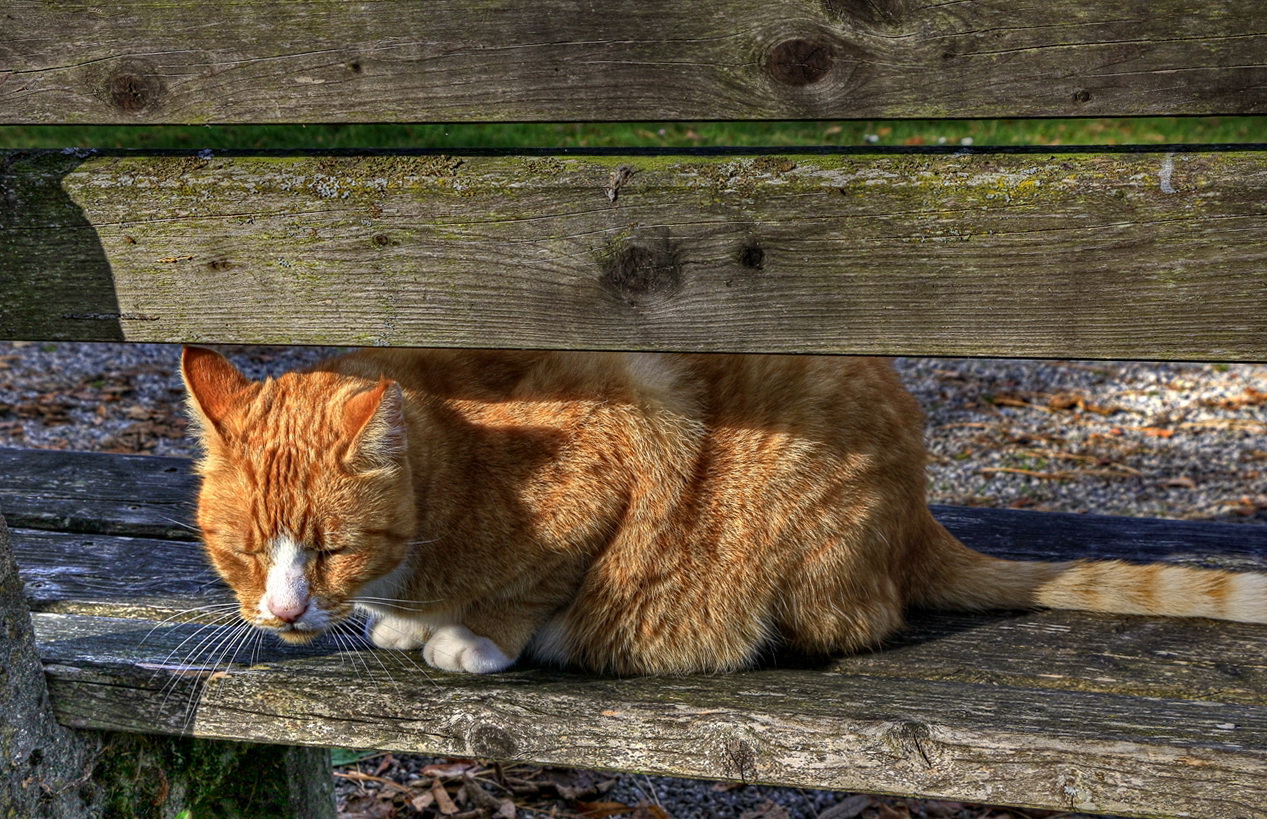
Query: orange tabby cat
{"x": 634, "y": 513}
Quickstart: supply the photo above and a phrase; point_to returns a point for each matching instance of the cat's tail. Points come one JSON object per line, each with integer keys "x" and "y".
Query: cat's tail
{"x": 963, "y": 579}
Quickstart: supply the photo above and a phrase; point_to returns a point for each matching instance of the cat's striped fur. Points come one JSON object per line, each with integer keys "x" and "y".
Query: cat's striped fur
{"x": 633, "y": 513}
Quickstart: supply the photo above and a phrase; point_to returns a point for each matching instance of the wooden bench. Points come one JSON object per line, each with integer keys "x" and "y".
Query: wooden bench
{"x": 1133, "y": 252}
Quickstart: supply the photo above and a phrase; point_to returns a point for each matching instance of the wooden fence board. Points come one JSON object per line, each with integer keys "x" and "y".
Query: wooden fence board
{"x": 134, "y": 61}
{"x": 1111, "y": 255}
{"x": 111, "y": 576}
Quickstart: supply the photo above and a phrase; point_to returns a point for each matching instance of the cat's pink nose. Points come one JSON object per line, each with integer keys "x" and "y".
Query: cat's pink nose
{"x": 287, "y": 611}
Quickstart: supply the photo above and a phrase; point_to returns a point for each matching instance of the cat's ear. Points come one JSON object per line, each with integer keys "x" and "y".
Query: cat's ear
{"x": 213, "y": 384}
{"x": 375, "y": 421}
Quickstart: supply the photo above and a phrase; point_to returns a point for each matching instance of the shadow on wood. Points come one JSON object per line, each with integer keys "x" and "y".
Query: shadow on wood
{"x": 50, "y": 254}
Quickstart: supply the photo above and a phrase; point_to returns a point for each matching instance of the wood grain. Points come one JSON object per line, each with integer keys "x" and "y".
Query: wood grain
{"x": 1092, "y": 255}
{"x": 135, "y": 61}
{"x": 108, "y": 575}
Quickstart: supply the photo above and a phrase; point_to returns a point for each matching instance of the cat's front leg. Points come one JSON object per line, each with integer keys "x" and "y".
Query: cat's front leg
{"x": 455, "y": 647}
{"x": 447, "y": 646}
{"x": 400, "y": 633}
{"x": 489, "y": 636}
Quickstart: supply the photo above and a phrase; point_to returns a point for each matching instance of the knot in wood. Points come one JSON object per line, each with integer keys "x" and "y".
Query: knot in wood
{"x": 133, "y": 92}
{"x": 637, "y": 274}
{"x": 912, "y": 741}
{"x": 752, "y": 256}
{"x": 492, "y": 741}
{"x": 1082, "y": 95}
{"x": 740, "y": 759}
{"x": 800, "y": 61}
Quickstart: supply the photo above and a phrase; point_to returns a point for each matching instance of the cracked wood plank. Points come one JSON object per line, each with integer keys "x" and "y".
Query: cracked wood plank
{"x": 1067, "y": 254}
{"x": 133, "y": 61}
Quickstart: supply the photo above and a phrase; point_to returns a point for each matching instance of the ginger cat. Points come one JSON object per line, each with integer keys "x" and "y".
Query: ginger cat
{"x": 627, "y": 513}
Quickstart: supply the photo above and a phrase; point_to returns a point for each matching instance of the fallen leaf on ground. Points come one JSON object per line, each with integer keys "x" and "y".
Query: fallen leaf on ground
{"x": 443, "y": 801}
{"x": 450, "y": 770}
{"x": 849, "y": 808}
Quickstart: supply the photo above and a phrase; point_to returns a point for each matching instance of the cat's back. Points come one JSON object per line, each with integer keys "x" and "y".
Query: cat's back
{"x": 847, "y": 395}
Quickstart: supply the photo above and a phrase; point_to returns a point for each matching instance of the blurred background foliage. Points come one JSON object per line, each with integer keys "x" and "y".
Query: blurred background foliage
{"x": 1145, "y": 131}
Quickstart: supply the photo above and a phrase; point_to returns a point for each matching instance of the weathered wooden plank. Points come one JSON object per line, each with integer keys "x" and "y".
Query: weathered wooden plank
{"x": 95, "y": 572}
{"x": 994, "y": 743}
{"x": 1193, "y": 659}
{"x": 93, "y": 492}
{"x": 1126, "y": 255}
{"x": 386, "y": 60}
{"x": 1049, "y": 709}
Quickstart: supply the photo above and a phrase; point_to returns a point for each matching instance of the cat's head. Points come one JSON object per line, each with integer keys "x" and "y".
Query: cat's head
{"x": 306, "y": 494}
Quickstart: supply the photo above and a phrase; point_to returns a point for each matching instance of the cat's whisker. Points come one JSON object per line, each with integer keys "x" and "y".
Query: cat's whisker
{"x": 182, "y": 524}
{"x": 368, "y": 672}
{"x": 217, "y": 638}
{"x": 405, "y": 654}
{"x": 255, "y": 649}
{"x": 204, "y": 686}
{"x": 212, "y": 630}
{"x": 396, "y": 603}
{"x": 184, "y": 613}
{"x": 216, "y": 622}
{"x": 349, "y": 652}
{"x": 241, "y": 639}
{"x": 344, "y": 651}
{"x": 213, "y": 643}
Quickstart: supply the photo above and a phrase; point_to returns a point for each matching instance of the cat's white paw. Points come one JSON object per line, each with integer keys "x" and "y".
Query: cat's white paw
{"x": 457, "y": 648}
{"x": 392, "y": 632}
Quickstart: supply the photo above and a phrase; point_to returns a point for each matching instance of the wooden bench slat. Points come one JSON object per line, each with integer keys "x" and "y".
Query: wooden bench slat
{"x": 992, "y": 743}
{"x": 1178, "y": 659}
{"x": 130, "y": 61}
{"x": 1126, "y": 255}
{"x": 1050, "y": 709}
{"x": 94, "y": 492}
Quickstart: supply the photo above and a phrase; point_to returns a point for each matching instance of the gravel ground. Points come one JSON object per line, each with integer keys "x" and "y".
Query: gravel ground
{"x": 1165, "y": 440}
